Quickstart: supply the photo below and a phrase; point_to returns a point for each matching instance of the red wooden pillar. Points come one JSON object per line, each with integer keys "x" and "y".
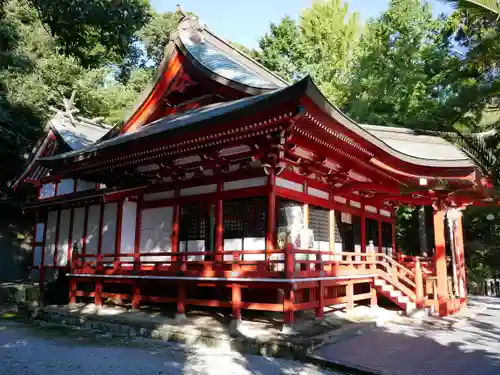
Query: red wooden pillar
{"x": 236, "y": 301}
{"x": 320, "y": 310}
{"x": 72, "y": 291}
{"x": 98, "y": 292}
{"x": 136, "y": 295}
{"x": 219, "y": 225}
{"x": 363, "y": 230}
{"x": 440, "y": 256}
{"x": 181, "y": 300}
{"x": 373, "y": 298}
{"x": 288, "y": 306}
{"x": 380, "y": 239}
{"x": 271, "y": 212}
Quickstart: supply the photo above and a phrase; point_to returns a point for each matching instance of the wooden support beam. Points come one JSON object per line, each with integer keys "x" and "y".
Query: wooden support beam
{"x": 98, "y": 292}
{"x": 181, "y": 298}
{"x": 363, "y": 229}
{"x": 461, "y": 257}
{"x": 271, "y": 213}
{"x": 288, "y": 306}
{"x": 374, "y": 297}
{"x": 72, "y": 291}
{"x": 136, "y": 295}
{"x": 350, "y": 296}
{"x": 219, "y": 225}
{"x": 320, "y": 296}
{"x": 236, "y": 301}
{"x": 440, "y": 260}
{"x": 380, "y": 239}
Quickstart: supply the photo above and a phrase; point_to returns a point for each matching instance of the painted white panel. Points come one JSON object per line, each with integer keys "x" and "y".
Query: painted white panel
{"x": 93, "y": 219}
{"x": 231, "y": 244}
{"x": 385, "y": 213}
{"x": 287, "y": 184}
{"x": 65, "y": 186}
{"x": 159, "y": 195}
{"x": 129, "y": 217}
{"x": 195, "y": 190}
{"x": 188, "y": 159}
{"x": 254, "y": 243}
{"x": 371, "y": 209}
{"x": 82, "y": 185}
{"x": 195, "y": 246}
{"x": 39, "y": 232}
{"x": 78, "y": 227}
{"x": 336, "y": 198}
{"x": 156, "y": 233}
{"x": 234, "y": 150}
{"x": 337, "y": 249}
{"x": 318, "y": 193}
{"x": 37, "y": 255}
{"x": 249, "y": 182}
{"x": 50, "y": 238}
{"x": 62, "y": 243}
{"x": 47, "y": 191}
{"x": 355, "y": 204}
{"x": 109, "y": 228}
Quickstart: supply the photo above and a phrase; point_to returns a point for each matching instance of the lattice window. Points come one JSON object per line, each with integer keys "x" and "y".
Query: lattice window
{"x": 194, "y": 222}
{"x": 319, "y": 223}
{"x": 245, "y": 218}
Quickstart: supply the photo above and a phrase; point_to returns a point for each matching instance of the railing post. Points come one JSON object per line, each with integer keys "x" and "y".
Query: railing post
{"x": 289, "y": 261}
{"x": 419, "y": 282}
{"x": 235, "y": 267}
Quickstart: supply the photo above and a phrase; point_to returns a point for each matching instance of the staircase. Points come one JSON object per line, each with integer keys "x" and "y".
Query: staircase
{"x": 399, "y": 284}
{"x": 390, "y": 292}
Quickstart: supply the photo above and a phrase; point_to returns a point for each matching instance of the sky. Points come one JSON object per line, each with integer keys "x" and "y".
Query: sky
{"x": 246, "y": 21}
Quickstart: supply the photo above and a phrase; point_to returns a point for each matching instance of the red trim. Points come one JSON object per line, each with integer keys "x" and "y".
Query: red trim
{"x": 161, "y": 87}
{"x": 119, "y": 223}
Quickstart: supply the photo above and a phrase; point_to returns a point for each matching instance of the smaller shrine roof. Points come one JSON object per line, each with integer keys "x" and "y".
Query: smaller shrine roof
{"x": 421, "y": 146}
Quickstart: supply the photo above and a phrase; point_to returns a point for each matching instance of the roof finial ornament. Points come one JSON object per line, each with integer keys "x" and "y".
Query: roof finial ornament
{"x": 69, "y": 108}
{"x": 179, "y": 9}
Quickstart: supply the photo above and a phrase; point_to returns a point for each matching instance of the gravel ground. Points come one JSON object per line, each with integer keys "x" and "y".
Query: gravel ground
{"x": 36, "y": 351}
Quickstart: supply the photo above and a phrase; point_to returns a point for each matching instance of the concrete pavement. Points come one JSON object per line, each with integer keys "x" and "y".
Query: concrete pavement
{"x": 467, "y": 344}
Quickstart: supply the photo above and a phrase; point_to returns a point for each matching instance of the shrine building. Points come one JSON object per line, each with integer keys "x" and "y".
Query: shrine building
{"x": 229, "y": 187}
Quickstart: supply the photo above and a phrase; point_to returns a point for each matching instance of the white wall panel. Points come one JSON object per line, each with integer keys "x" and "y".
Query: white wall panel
{"x": 254, "y": 243}
{"x": 193, "y": 246}
{"x": 78, "y": 227}
{"x": 109, "y": 228}
{"x": 47, "y": 191}
{"x": 84, "y": 185}
{"x": 385, "y": 213}
{"x": 129, "y": 217}
{"x": 62, "y": 243}
{"x": 65, "y": 186}
{"x": 318, "y": 193}
{"x": 39, "y": 232}
{"x": 50, "y": 238}
{"x": 37, "y": 255}
{"x": 287, "y": 184}
{"x": 156, "y": 232}
{"x": 247, "y": 183}
{"x": 159, "y": 195}
{"x": 231, "y": 244}
{"x": 195, "y": 190}
{"x": 93, "y": 219}
{"x": 336, "y": 198}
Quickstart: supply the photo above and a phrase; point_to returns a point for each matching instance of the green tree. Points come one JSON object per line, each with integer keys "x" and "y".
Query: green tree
{"x": 322, "y": 44}
{"x": 398, "y": 77}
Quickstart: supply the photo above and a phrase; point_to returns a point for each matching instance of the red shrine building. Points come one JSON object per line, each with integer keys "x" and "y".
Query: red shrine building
{"x": 229, "y": 187}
